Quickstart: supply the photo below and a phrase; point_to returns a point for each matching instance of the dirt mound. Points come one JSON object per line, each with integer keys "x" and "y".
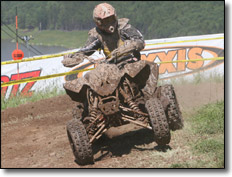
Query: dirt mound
{"x": 34, "y": 135}
{"x": 34, "y": 109}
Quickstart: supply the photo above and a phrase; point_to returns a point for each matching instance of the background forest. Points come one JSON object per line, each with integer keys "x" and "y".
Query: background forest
{"x": 155, "y": 19}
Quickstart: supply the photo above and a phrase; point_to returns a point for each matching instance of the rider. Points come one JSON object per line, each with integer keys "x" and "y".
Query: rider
{"x": 116, "y": 37}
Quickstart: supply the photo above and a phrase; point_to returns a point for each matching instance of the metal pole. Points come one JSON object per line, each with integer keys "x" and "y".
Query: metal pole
{"x": 27, "y": 39}
{"x": 16, "y": 24}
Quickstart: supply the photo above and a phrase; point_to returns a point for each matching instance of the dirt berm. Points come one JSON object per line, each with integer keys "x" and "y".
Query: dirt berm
{"x": 34, "y": 135}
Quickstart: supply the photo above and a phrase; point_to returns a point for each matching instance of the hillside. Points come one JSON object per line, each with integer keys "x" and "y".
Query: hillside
{"x": 155, "y": 19}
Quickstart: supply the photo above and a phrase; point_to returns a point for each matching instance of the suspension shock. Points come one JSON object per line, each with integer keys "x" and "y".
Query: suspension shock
{"x": 91, "y": 128}
{"x": 93, "y": 112}
{"x": 129, "y": 100}
{"x": 92, "y": 102}
{"x": 129, "y": 95}
{"x": 132, "y": 104}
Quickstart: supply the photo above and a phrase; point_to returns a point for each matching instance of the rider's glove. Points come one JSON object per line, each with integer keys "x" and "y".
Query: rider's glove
{"x": 128, "y": 47}
{"x": 71, "y": 60}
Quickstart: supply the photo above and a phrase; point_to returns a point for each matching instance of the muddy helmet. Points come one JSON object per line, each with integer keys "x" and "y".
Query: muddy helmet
{"x": 105, "y": 17}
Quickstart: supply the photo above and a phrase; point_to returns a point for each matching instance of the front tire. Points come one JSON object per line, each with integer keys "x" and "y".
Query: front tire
{"x": 79, "y": 142}
{"x": 158, "y": 121}
{"x": 173, "y": 111}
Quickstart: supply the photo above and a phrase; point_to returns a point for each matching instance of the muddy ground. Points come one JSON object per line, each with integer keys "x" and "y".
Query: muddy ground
{"x": 34, "y": 135}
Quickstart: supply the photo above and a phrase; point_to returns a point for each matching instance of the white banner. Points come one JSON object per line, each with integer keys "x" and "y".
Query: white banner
{"x": 186, "y": 48}
{"x": 157, "y": 50}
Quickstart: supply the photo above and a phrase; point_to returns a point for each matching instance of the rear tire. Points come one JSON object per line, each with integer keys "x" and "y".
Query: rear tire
{"x": 158, "y": 121}
{"x": 174, "y": 115}
{"x": 79, "y": 142}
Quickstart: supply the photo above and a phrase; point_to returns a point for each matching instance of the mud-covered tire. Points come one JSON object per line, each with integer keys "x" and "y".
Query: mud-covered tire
{"x": 173, "y": 112}
{"x": 79, "y": 142}
{"x": 158, "y": 121}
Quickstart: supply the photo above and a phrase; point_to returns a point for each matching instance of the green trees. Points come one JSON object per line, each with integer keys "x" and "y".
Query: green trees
{"x": 155, "y": 19}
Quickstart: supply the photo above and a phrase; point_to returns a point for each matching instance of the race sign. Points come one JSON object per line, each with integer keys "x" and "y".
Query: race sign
{"x": 17, "y": 54}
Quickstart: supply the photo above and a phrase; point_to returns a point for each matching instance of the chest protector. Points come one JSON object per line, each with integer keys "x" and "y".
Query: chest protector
{"x": 112, "y": 41}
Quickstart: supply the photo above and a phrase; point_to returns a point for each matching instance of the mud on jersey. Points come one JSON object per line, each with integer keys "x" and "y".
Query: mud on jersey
{"x": 125, "y": 38}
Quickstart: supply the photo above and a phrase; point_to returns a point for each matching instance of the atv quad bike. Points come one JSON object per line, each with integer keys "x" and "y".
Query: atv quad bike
{"x": 115, "y": 93}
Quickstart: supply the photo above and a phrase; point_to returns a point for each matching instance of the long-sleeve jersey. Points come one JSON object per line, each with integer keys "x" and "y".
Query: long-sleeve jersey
{"x": 125, "y": 36}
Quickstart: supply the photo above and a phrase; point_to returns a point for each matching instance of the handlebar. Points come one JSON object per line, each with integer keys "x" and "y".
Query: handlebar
{"x": 77, "y": 58}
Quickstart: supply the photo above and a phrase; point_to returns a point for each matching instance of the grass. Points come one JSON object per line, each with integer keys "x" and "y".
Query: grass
{"x": 36, "y": 96}
{"x": 197, "y": 78}
{"x": 204, "y": 132}
{"x": 68, "y": 39}
{"x": 208, "y": 127}
{"x": 180, "y": 165}
{"x": 209, "y": 119}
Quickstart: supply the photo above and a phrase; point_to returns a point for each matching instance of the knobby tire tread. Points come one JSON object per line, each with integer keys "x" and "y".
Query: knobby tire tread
{"x": 173, "y": 111}
{"x": 158, "y": 121}
{"x": 79, "y": 142}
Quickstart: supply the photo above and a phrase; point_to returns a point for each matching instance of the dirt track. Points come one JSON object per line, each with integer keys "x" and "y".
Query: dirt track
{"x": 34, "y": 136}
